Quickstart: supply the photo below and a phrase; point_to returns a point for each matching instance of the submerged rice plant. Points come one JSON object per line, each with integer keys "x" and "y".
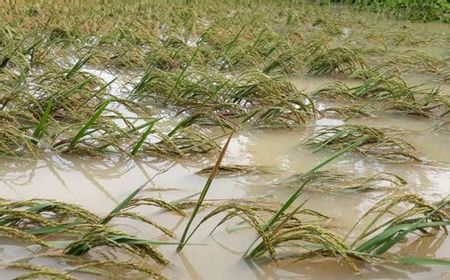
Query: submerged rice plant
{"x": 350, "y": 111}
{"x": 336, "y": 60}
{"x": 341, "y": 181}
{"x": 391, "y": 88}
{"x": 392, "y": 223}
{"x": 252, "y": 97}
{"x": 297, "y": 237}
{"x": 335, "y": 91}
{"x": 36, "y": 219}
{"x": 427, "y": 107}
{"x": 385, "y": 88}
{"x": 90, "y": 268}
{"x": 239, "y": 169}
{"x": 376, "y": 144}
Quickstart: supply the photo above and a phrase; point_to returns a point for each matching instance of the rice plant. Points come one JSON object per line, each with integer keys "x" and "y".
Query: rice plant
{"x": 182, "y": 143}
{"x": 238, "y": 169}
{"x": 252, "y": 97}
{"x": 377, "y": 144}
{"x": 336, "y": 60}
{"x": 186, "y": 235}
{"x": 14, "y": 141}
{"x": 392, "y": 223}
{"x": 350, "y": 111}
{"x": 379, "y": 87}
{"x": 341, "y": 181}
{"x": 385, "y": 88}
{"x": 296, "y": 237}
{"x": 36, "y": 219}
{"x": 427, "y": 107}
{"x": 97, "y": 268}
{"x": 335, "y": 91}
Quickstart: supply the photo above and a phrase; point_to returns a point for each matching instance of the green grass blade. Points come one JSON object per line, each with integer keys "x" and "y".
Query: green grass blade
{"x": 183, "y": 124}
{"x": 43, "y": 121}
{"x": 143, "y": 137}
{"x": 82, "y": 61}
{"x": 123, "y": 204}
{"x": 385, "y": 238}
{"x": 423, "y": 261}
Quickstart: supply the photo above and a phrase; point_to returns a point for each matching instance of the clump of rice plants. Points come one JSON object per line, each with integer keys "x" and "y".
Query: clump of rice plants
{"x": 377, "y": 144}
{"x": 385, "y": 88}
{"x": 299, "y": 225}
{"x": 299, "y": 234}
{"x": 79, "y": 231}
{"x": 98, "y": 268}
{"x": 73, "y": 115}
{"x": 252, "y": 97}
{"x": 336, "y": 60}
{"x": 392, "y": 90}
{"x": 350, "y": 111}
{"x": 418, "y": 61}
{"x": 14, "y": 141}
{"x": 36, "y": 219}
{"x": 44, "y": 106}
{"x": 181, "y": 143}
{"x": 428, "y": 106}
{"x": 379, "y": 87}
{"x": 394, "y": 218}
{"x": 335, "y": 91}
{"x": 270, "y": 100}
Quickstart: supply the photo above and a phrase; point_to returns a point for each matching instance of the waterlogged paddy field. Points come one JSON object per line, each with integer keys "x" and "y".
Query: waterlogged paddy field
{"x": 296, "y": 86}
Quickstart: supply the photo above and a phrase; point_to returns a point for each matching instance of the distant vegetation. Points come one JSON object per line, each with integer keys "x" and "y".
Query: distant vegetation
{"x": 415, "y": 10}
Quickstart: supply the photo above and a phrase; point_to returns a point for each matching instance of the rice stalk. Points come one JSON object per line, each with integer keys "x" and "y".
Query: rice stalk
{"x": 185, "y": 237}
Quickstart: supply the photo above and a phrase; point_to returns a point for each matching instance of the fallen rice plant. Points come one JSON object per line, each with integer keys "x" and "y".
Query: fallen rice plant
{"x": 92, "y": 268}
{"x": 252, "y": 97}
{"x": 336, "y": 60}
{"x": 350, "y": 112}
{"x": 36, "y": 219}
{"x": 341, "y": 181}
{"x": 426, "y": 107}
{"x": 392, "y": 223}
{"x": 376, "y": 144}
{"x": 238, "y": 169}
{"x": 386, "y": 88}
{"x": 296, "y": 237}
{"x": 382, "y": 88}
{"x": 336, "y": 91}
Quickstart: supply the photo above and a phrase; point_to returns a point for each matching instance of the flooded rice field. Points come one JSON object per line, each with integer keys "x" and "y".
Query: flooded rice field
{"x": 100, "y": 184}
{"x": 272, "y": 141}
